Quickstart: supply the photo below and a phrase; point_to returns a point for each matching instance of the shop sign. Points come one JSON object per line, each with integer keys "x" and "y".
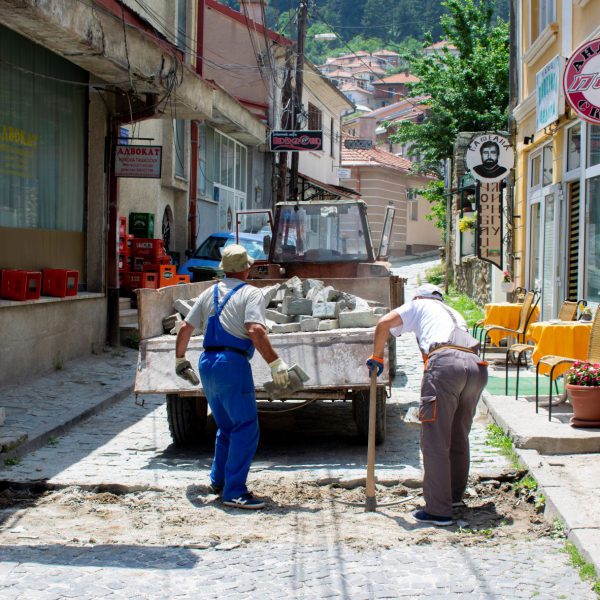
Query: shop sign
{"x": 549, "y": 101}
{"x": 489, "y": 222}
{"x": 344, "y": 173}
{"x": 144, "y": 162}
{"x": 489, "y": 157}
{"x": 581, "y": 81}
{"x": 293, "y": 141}
{"x": 359, "y": 144}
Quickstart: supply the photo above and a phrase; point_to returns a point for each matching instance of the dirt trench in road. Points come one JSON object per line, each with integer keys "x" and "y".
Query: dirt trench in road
{"x": 299, "y": 512}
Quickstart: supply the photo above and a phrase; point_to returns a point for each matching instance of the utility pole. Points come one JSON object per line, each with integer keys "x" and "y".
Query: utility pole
{"x": 299, "y": 84}
{"x": 286, "y": 123}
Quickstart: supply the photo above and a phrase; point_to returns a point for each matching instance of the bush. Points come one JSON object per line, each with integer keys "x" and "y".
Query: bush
{"x": 435, "y": 274}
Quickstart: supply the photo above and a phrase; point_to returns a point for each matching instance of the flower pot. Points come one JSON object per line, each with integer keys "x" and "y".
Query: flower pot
{"x": 468, "y": 242}
{"x": 586, "y": 405}
{"x": 507, "y": 286}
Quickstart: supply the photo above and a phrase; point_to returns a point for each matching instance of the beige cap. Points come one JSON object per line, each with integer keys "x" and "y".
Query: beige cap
{"x": 235, "y": 259}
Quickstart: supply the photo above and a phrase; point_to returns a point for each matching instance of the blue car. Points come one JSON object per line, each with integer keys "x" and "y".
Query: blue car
{"x": 208, "y": 254}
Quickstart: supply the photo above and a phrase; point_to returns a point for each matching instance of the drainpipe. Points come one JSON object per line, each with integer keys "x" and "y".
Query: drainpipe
{"x": 112, "y": 262}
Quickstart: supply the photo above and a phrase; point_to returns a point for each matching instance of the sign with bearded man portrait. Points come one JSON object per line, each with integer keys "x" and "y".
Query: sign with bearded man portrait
{"x": 489, "y": 157}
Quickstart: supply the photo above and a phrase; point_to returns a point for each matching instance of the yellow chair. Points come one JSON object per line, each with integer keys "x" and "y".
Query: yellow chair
{"x": 554, "y": 361}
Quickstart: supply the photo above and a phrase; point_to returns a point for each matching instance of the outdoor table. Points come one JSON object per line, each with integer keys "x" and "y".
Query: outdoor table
{"x": 561, "y": 338}
{"x": 504, "y": 314}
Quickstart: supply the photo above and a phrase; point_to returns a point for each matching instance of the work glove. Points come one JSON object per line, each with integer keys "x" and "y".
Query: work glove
{"x": 184, "y": 369}
{"x": 375, "y": 363}
{"x": 279, "y": 373}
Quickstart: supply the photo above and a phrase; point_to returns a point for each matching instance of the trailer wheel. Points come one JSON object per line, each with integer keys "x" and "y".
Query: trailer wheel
{"x": 187, "y": 419}
{"x": 360, "y": 409}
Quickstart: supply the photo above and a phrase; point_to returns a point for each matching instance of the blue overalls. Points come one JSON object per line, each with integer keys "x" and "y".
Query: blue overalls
{"x": 227, "y": 381}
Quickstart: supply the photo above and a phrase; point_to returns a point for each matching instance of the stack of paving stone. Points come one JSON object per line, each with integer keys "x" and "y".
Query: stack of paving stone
{"x": 301, "y": 306}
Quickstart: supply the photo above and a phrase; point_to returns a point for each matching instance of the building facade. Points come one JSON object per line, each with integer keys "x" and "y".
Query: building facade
{"x": 556, "y": 222}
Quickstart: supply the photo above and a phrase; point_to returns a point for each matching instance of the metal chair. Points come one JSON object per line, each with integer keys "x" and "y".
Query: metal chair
{"x": 529, "y": 304}
{"x": 567, "y": 312}
{"x": 518, "y": 296}
{"x": 554, "y": 361}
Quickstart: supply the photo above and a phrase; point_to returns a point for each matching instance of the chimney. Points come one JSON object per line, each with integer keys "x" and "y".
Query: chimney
{"x": 253, "y": 9}
{"x": 366, "y": 127}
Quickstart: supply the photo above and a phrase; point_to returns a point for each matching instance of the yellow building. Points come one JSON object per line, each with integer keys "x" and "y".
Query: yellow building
{"x": 556, "y": 222}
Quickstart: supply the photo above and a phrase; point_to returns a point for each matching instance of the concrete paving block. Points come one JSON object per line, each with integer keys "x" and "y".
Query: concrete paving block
{"x": 588, "y": 542}
{"x": 170, "y": 322}
{"x": 311, "y": 284}
{"x": 183, "y": 306}
{"x": 325, "y": 310}
{"x": 286, "y": 328}
{"x": 277, "y": 317}
{"x": 358, "y": 318}
{"x": 282, "y": 292}
{"x": 11, "y": 439}
{"x": 296, "y": 306}
{"x": 294, "y": 285}
{"x": 327, "y": 294}
{"x": 309, "y": 324}
{"x": 329, "y": 324}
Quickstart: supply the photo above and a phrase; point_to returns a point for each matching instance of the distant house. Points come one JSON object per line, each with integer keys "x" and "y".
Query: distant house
{"x": 383, "y": 180}
{"x": 393, "y": 88}
{"x": 358, "y": 95}
{"x": 440, "y": 46}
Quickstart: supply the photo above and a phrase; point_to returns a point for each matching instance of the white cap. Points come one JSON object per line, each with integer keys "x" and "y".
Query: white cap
{"x": 428, "y": 290}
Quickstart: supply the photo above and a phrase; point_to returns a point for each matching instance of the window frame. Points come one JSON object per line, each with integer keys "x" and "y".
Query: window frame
{"x": 315, "y": 113}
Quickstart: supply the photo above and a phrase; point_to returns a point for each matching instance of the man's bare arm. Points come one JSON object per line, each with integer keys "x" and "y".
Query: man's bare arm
{"x": 382, "y": 331}
{"x": 183, "y": 339}
{"x": 260, "y": 340}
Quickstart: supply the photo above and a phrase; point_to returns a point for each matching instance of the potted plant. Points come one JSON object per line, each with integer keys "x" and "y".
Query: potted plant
{"x": 583, "y": 389}
{"x": 507, "y": 285}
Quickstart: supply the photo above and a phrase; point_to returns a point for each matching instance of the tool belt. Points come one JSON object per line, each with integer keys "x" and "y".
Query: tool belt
{"x": 226, "y": 349}
{"x": 439, "y": 347}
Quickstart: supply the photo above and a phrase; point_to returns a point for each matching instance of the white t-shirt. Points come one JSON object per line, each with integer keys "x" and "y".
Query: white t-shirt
{"x": 429, "y": 320}
{"x": 247, "y": 305}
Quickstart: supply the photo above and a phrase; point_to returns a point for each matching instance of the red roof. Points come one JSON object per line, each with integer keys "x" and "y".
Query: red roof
{"x": 375, "y": 157}
{"x": 397, "y": 78}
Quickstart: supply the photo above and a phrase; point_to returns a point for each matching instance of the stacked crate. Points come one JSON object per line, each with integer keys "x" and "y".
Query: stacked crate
{"x": 143, "y": 262}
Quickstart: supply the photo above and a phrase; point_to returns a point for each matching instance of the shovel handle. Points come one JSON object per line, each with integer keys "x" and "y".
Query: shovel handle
{"x": 371, "y": 502}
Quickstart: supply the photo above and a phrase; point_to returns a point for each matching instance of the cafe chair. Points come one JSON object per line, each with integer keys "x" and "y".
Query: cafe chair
{"x": 518, "y": 295}
{"x": 529, "y": 305}
{"x": 567, "y": 312}
{"x": 554, "y": 361}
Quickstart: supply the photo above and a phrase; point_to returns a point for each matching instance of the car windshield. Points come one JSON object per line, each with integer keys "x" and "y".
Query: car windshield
{"x": 211, "y": 247}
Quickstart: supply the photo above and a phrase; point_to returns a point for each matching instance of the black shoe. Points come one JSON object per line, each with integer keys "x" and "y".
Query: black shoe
{"x": 247, "y": 501}
{"x": 213, "y": 488}
{"x": 459, "y": 504}
{"x": 424, "y": 517}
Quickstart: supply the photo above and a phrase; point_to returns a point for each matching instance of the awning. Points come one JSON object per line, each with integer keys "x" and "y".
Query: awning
{"x": 313, "y": 189}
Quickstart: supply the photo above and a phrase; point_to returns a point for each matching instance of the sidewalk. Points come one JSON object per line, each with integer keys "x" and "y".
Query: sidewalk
{"x": 49, "y": 405}
{"x": 564, "y": 460}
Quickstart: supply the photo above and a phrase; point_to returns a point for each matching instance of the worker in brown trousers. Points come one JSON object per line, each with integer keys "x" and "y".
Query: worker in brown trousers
{"x": 453, "y": 380}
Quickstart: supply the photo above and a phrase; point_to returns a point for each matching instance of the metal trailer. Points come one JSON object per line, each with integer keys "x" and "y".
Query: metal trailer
{"x": 334, "y": 360}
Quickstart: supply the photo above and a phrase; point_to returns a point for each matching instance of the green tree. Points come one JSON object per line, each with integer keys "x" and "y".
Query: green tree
{"x": 467, "y": 91}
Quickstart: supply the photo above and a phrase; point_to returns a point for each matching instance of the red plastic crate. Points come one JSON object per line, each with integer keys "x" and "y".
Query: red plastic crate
{"x": 20, "y": 285}
{"x": 122, "y": 226}
{"x": 153, "y": 264}
{"x": 59, "y": 282}
{"x": 150, "y": 280}
{"x": 182, "y": 279}
{"x": 150, "y": 247}
{"x": 132, "y": 280}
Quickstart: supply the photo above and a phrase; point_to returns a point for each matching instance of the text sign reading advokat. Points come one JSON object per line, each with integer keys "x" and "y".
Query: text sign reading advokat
{"x": 549, "y": 103}
{"x": 138, "y": 161}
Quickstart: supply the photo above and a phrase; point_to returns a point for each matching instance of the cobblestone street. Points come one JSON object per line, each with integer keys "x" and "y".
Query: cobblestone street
{"x": 130, "y": 516}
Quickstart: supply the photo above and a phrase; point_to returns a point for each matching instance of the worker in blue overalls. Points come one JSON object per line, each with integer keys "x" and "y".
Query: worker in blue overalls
{"x": 232, "y": 315}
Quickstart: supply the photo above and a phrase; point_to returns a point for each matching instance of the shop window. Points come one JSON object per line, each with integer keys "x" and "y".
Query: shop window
{"x": 206, "y": 160}
{"x": 574, "y": 148}
{"x": 547, "y": 165}
{"x": 593, "y": 145}
{"x": 181, "y": 24}
{"x": 535, "y": 171}
{"x": 315, "y": 118}
{"x": 592, "y": 250}
{"x": 42, "y": 151}
{"x": 413, "y": 208}
{"x": 179, "y": 146}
